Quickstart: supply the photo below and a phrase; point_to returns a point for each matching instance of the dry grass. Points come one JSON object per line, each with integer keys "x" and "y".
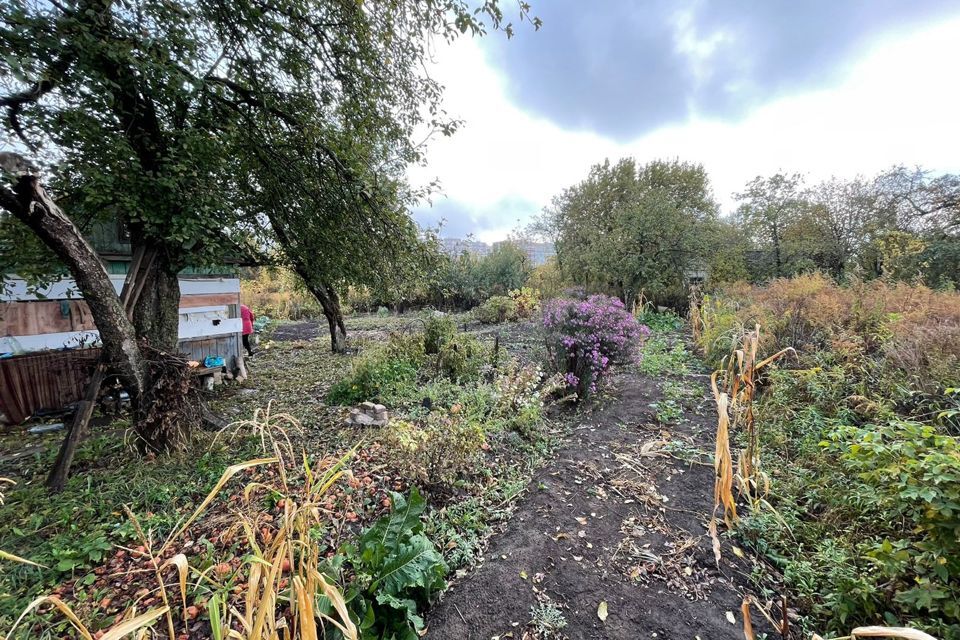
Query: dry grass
{"x": 271, "y": 429}
{"x": 860, "y": 632}
{"x": 283, "y": 577}
{"x": 883, "y": 632}
{"x": 913, "y": 330}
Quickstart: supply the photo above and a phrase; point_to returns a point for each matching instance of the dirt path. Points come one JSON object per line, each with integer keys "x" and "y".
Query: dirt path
{"x": 619, "y": 517}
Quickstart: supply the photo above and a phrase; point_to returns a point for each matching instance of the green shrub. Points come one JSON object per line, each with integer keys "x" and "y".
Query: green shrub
{"x": 659, "y": 321}
{"x": 906, "y": 478}
{"x": 397, "y": 570}
{"x": 462, "y": 358}
{"x": 374, "y": 376}
{"x": 407, "y": 347}
{"x": 528, "y": 301}
{"x": 438, "y": 331}
{"x": 437, "y": 452}
{"x": 497, "y": 310}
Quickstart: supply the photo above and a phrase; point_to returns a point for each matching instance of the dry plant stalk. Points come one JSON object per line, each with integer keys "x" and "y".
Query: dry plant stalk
{"x": 283, "y": 567}
{"x": 696, "y": 312}
{"x": 734, "y": 387}
{"x": 115, "y": 632}
{"x": 272, "y": 429}
{"x": 883, "y": 632}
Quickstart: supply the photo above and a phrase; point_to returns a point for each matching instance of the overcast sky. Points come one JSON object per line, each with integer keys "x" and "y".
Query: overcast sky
{"x": 746, "y": 87}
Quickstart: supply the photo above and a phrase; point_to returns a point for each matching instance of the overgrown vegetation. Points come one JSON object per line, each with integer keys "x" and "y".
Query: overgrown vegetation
{"x": 467, "y": 430}
{"x": 859, "y": 444}
{"x": 279, "y": 294}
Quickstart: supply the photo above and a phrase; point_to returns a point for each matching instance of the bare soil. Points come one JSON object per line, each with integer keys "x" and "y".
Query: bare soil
{"x": 619, "y": 517}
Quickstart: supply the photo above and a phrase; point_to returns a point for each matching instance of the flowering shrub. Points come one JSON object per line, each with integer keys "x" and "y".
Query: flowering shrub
{"x": 584, "y": 337}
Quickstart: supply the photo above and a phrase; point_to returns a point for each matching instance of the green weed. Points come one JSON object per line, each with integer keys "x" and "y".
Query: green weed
{"x": 664, "y": 357}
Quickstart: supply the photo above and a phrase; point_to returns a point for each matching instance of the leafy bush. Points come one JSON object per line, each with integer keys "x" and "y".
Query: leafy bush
{"x": 659, "y": 321}
{"x": 375, "y": 376}
{"x": 397, "y": 569}
{"x": 528, "y": 301}
{"x": 462, "y": 358}
{"x": 497, "y": 310}
{"x": 584, "y": 337}
{"x": 438, "y": 331}
{"x": 408, "y": 347}
{"x": 437, "y": 452}
{"x": 906, "y": 478}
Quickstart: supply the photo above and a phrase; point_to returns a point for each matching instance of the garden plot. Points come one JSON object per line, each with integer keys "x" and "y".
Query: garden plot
{"x": 97, "y": 556}
{"x": 611, "y": 540}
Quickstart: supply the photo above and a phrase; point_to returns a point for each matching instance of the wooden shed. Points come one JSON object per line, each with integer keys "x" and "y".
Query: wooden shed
{"x": 49, "y": 342}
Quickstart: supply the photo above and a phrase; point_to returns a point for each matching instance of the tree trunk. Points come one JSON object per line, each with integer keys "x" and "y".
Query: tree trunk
{"x": 327, "y": 296}
{"x": 30, "y": 204}
{"x": 323, "y": 292}
{"x": 156, "y": 315}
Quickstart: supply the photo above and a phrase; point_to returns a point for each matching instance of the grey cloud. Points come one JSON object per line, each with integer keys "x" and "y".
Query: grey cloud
{"x": 619, "y": 67}
{"x": 460, "y": 219}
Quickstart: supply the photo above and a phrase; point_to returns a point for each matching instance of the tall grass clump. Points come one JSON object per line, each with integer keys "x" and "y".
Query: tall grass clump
{"x": 280, "y": 588}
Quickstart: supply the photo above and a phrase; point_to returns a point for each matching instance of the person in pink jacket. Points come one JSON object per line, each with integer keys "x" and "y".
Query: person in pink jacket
{"x": 247, "y": 318}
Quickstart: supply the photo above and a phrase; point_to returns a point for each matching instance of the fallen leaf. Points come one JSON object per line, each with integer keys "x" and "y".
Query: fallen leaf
{"x": 582, "y": 520}
{"x": 602, "y": 611}
{"x": 731, "y": 618}
{"x": 523, "y": 575}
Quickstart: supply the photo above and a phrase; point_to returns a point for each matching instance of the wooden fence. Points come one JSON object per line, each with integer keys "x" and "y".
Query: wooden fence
{"x": 49, "y": 380}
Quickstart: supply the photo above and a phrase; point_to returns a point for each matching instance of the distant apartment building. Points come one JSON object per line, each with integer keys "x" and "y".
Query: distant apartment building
{"x": 537, "y": 252}
{"x": 456, "y": 246}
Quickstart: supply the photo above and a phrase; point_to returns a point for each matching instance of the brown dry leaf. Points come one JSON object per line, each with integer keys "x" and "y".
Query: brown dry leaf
{"x": 602, "y": 611}
{"x": 715, "y": 538}
{"x": 747, "y": 622}
{"x": 890, "y": 632}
